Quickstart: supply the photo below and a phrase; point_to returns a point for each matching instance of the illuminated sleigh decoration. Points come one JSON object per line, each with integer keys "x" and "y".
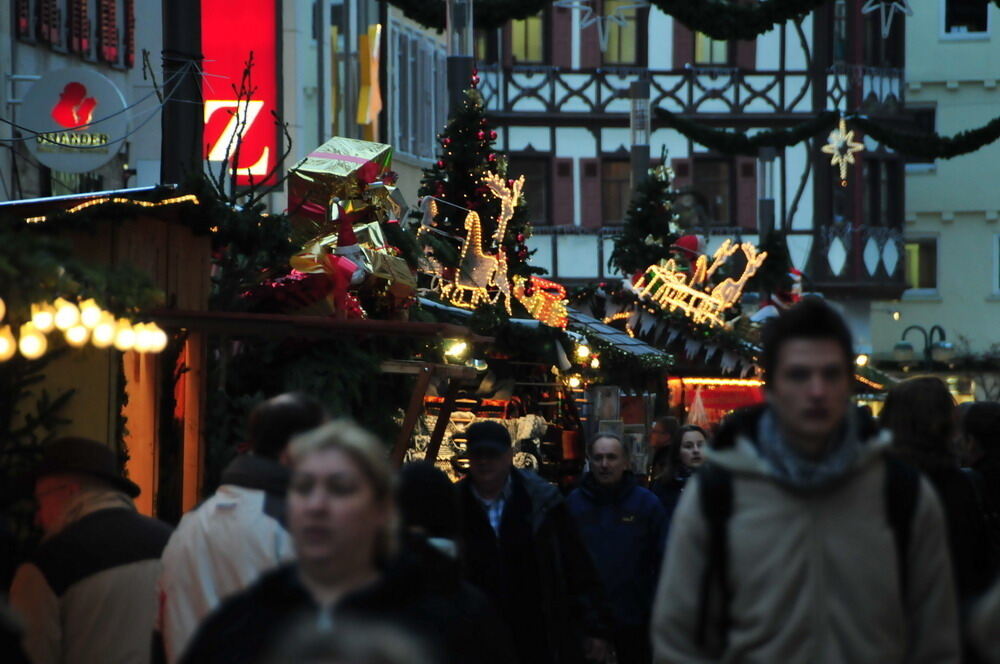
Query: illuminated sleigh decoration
{"x": 674, "y": 290}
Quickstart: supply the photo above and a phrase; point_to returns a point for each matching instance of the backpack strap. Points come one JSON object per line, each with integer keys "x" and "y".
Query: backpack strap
{"x": 902, "y": 490}
{"x": 715, "y": 486}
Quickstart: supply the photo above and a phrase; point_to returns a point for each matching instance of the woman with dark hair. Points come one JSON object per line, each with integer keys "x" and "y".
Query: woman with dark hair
{"x": 920, "y": 413}
{"x": 683, "y": 455}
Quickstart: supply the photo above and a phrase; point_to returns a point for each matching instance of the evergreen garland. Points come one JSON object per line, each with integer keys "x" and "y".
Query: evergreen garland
{"x": 730, "y": 142}
{"x": 932, "y": 145}
{"x": 649, "y": 228}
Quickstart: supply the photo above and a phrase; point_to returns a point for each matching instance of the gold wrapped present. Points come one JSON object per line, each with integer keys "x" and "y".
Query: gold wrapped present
{"x": 400, "y": 281}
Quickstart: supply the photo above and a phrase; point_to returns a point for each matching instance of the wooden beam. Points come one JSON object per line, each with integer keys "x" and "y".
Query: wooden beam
{"x": 444, "y": 415}
{"x": 412, "y": 413}
{"x": 192, "y": 459}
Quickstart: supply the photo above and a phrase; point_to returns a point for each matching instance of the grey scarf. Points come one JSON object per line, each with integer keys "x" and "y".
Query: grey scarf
{"x": 795, "y": 470}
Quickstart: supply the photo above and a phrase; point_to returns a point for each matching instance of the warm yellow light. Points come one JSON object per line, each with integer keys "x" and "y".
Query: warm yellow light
{"x": 595, "y": 363}
{"x": 8, "y": 345}
{"x": 43, "y": 315}
{"x": 67, "y": 314}
{"x": 144, "y": 337}
{"x": 90, "y": 314}
{"x": 722, "y": 382}
{"x": 861, "y": 360}
{"x": 104, "y": 331}
{"x": 3, "y": 308}
{"x": 77, "y": 336}
{"x": 158, "y": 340}
{"x": 31, "y": 343}
{"x": 575, "y": 382}
{"x": 457, "y": 349}
{"x": 896, "y": 315}
{"x": 124, "y": 335}
{"x": 582, "y": 351}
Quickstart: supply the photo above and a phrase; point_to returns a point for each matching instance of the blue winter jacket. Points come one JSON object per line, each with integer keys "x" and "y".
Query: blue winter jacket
{"x": 625, "y": 530}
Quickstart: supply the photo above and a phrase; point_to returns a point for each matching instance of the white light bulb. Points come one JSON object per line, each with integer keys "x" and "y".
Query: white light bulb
{"x": 67, "y": 314}
{"x": 158, "y": 340}
{"x": 104, "y": 332}
{"x": 3, "y": 308}
{"x": 32, "y": 343}
{"x": 143, "y": 337}
{"x": 43, "y": 315}
{"x": 574, "y": 382}
{"x": 582, "y": 351}
{"x": 124, "y": 335}
{"x": 77, "y": 336}
{"x": 8, "y": 345}
{"x": 90, "y": 314}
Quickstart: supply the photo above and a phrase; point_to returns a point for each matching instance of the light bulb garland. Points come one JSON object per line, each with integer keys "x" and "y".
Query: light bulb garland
{"x": 80, "y": 322}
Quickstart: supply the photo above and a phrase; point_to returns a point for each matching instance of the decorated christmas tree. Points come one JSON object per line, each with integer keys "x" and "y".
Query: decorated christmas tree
{"x": 455, "y": 185}
{"x": 650, "y": 224}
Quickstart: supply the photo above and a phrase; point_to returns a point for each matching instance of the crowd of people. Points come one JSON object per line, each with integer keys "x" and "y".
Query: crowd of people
{"x": 803, "y": 530}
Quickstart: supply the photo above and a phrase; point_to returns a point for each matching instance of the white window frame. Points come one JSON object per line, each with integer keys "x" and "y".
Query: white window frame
{"x": 418, "y": 103}
{"x": 996, "y": 265}
{"x": 924, "y": 293}
{"x": 963, "y": 36}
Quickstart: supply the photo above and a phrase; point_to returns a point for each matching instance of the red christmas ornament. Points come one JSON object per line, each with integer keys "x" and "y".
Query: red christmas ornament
{"x": 520, "y": 237}
{"x": 475, "y": 81}
{"x": 529, "y": 291}
{"x": 510, "y": 183}
{"x": 440, "y": 163}
{"x": 493, "y": 135}
{"x": 491, "y": 157}
{"x": 481, "y": 135}
{"x": 446, "y": 141}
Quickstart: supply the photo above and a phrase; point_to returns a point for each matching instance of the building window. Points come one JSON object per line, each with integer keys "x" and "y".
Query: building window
{"x": 923, "y": 121}
{"x": 712, "y": 183}
{"x": 536, "y": 186}
{"x": 527, "y": 39}
{"x": 414, "y": 116}
{"x": 486, "y": 46}
{"x": 921, "y": 264}
{"x": 623, "y": 46}
{"x": 708, "y": 51}
{"x": 616, "y": 189}
{"x": 966, "y": 16}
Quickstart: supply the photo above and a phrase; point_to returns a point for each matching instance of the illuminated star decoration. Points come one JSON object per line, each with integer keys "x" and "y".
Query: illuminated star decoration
{"x": 589, "y": 17}
{"x": 887, "y": 10}
{"x": 841, "y": 148}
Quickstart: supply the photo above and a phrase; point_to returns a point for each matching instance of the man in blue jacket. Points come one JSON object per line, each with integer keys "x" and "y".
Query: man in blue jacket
{"x": 624, "y": 527}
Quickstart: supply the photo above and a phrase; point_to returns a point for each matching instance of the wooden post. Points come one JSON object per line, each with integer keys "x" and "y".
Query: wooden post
{"x": 192, "y": 460}
{"x": 447, "y": 408}
{"x": 412, "y": 413}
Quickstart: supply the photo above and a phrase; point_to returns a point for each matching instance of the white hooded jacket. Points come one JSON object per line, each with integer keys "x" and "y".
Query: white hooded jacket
{"x": 222, "y": 547}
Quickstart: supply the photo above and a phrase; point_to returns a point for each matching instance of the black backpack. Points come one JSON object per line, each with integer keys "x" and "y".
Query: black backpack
{"x": 901, "y": 490}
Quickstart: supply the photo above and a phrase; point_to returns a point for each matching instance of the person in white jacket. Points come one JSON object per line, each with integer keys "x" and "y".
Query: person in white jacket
{"x": 801, "y": 541}
{"x": 238, "y": 533}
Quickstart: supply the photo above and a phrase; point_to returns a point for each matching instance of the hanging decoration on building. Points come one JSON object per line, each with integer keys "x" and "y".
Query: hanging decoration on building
{"x": 589, "y": 16}
{"x": 887, "y": 11}
{"x": 673, "y": 289}
{"x": 841, "y": 147}
{"x": 479, "y": 272}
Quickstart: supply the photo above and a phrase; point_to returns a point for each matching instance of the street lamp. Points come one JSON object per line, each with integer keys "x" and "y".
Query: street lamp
{"x": 934, "y": 351}
{"x": 639, "y": 130}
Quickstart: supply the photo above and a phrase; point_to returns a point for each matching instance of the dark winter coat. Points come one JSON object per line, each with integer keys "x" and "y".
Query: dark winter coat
{"x": 968, "y": 541}
{"x": 538, "y": 572}
{"x": 669, "y": 490}
{"x": 625, "y": 529}
{"x": 421, "y": 592}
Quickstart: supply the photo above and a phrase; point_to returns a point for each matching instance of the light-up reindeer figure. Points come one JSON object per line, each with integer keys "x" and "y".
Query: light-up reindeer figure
{"x": 478, "y": 271}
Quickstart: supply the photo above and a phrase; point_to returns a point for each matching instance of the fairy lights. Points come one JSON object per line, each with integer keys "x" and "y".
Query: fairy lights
{"x": 546, "y": 302}
{"x": 722, "y": 382}
{"x": 187, "y": 198}
{"x": 672, "y": 289}
{"x": 80, "y": 323}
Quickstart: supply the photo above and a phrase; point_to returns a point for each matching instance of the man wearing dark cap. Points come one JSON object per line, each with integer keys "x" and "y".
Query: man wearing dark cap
{"x": 523, "y": 550}
{"x": 239, "y": 532}
{"x": 88, "y": 594}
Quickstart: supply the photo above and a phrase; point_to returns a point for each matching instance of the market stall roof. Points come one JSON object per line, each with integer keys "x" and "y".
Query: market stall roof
{"x": 612, "y": 335}
{"x": 155, "y": 196}
{"x": 280, "y": 325}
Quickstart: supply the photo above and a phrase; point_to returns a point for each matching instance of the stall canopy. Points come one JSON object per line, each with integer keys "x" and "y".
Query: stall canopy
{"x": 613, "y": 336}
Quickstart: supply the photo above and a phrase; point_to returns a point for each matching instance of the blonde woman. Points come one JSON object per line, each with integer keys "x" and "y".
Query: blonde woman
{"x": 341, "y": 517}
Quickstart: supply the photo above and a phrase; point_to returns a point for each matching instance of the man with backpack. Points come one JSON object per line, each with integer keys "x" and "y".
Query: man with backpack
{"x": 801, "y": 540}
